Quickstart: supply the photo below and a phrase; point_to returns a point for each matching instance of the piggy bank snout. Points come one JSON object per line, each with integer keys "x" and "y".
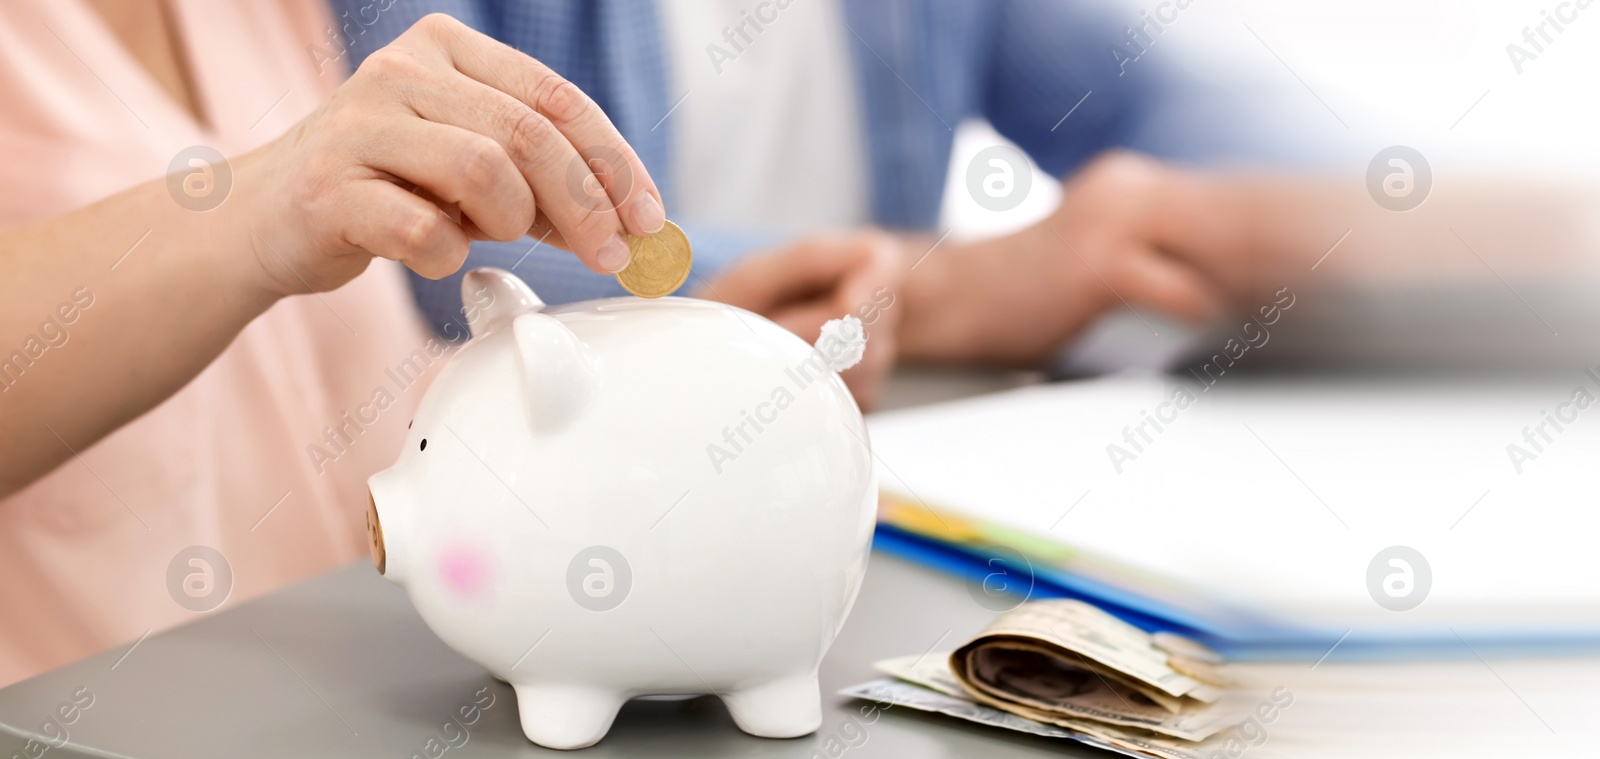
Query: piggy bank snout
{"x": 375, "y": 533}
{"x": 385, "y": 515}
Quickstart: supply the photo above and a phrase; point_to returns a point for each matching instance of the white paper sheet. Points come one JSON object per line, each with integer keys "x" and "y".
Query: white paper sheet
{"x": 1278, "y": 494}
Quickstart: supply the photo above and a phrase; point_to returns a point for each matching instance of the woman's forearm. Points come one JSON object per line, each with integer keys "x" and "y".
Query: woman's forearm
{"x": 106, "y": 311}
{"x": 442, "y": 136}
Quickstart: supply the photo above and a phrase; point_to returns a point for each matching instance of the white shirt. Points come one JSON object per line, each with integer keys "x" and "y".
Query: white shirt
{"x": 766, "y": 129}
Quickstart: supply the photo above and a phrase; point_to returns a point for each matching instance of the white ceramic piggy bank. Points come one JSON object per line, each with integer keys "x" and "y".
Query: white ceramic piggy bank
{"x": 626, "y": 497}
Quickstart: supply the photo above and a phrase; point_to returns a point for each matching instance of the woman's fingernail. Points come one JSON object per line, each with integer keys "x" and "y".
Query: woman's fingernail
{"x": 647, "y": 213}
{"x": 614, "y": 255}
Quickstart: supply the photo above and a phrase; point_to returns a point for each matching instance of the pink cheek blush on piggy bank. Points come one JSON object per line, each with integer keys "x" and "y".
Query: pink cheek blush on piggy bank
{"x": 631, "y": 497}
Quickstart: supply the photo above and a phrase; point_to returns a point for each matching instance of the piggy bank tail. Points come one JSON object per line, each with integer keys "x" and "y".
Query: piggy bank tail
{"x": 842, "y": 343}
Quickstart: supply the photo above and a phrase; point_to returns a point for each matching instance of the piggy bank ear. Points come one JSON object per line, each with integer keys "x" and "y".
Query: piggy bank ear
{"x": 559, "y": 376}
{"x": 491, "y": 298}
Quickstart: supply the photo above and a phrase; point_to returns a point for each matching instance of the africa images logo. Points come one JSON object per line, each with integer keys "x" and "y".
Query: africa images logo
{"x": 1538, "y": 37}
{"x": 598, "y": 578}
{"x": 1399, "y": 178}
{"x": 1398, "y": 578}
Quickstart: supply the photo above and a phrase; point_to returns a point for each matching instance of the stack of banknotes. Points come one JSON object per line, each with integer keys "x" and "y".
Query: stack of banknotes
{"x": 1067, "y": 669}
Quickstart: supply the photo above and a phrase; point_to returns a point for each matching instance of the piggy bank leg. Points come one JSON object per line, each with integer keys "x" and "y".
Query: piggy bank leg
{"x": 566, "y": 716}
{"x": 784, "y": 708}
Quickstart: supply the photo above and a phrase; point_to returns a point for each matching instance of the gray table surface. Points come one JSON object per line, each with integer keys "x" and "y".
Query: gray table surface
{"x": 341, "y": 666}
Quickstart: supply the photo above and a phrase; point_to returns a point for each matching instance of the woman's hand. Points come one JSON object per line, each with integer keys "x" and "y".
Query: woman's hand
{"x": 825, "y": 277}
{"x": 442, "y": 137}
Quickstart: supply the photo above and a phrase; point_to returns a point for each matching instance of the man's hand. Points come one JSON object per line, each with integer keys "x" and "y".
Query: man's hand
{"x": 827, "y": 277}
{"x": 1017, "y": 299}
{"x": 1013, "y": 300}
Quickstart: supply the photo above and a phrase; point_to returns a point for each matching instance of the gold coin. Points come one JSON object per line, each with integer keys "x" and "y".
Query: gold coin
{"x": 657, "y": 264}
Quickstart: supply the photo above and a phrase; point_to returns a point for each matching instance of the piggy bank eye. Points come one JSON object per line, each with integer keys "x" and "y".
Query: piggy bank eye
{"x": 424, "y": 446}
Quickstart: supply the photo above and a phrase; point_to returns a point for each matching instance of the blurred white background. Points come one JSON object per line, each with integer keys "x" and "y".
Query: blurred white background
{"x": 1431, "y": 74}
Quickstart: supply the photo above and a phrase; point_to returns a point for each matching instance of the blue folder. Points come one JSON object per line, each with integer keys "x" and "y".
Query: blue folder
{"x": 1237, "y": 634}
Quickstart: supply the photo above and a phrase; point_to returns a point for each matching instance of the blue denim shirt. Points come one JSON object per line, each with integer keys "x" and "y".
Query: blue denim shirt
{"x": 921, "y": 68}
